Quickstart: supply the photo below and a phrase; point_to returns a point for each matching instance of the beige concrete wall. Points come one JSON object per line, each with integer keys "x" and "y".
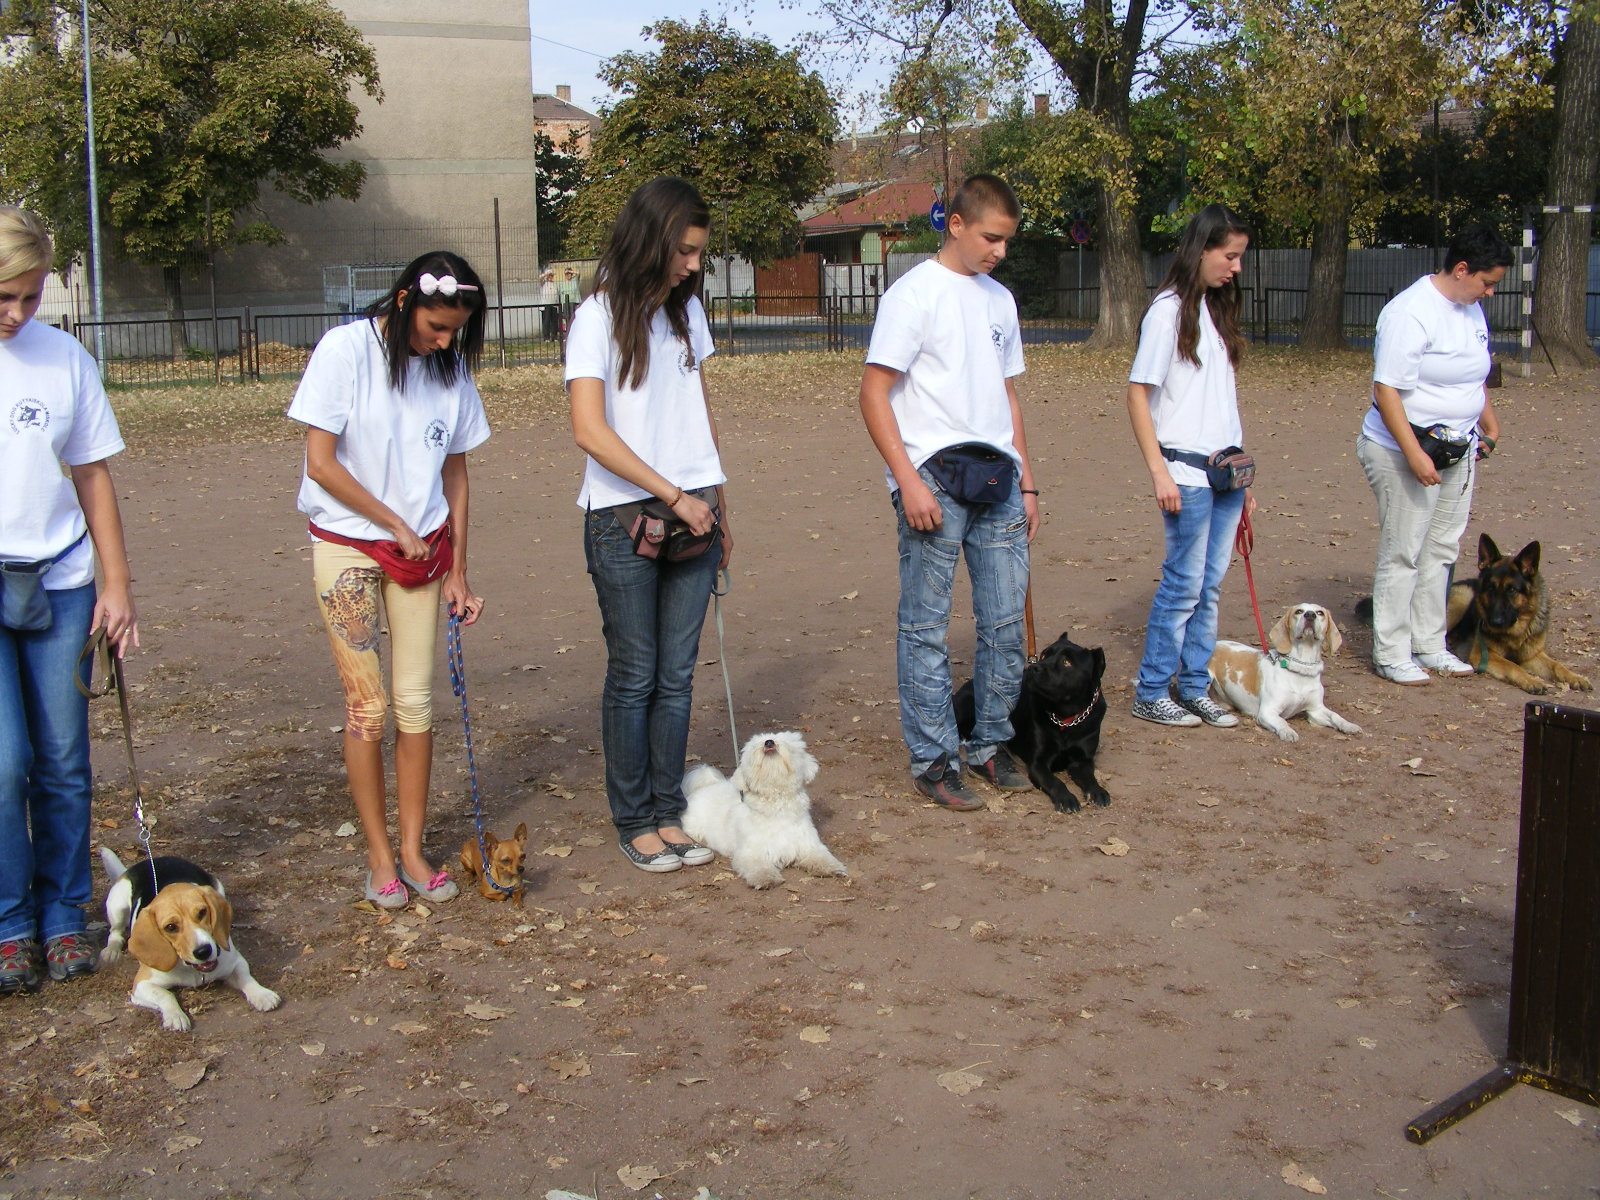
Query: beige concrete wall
{"x": 453, "y": 132}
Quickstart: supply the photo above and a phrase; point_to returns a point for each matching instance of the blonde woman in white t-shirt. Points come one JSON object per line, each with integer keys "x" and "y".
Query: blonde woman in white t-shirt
{"x": 1184, "y": 406}
{"x": 53, "y": 410}
{"x": 390, "y": 411}
{"x": 640, "y": 414}
{"x": 1430, "y": 361}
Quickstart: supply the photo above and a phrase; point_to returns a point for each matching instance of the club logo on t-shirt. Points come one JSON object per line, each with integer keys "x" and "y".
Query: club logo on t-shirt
{"x": 1483, "y": 337}
{"x": 436, "y": 436}
{"x": 29, "y": 414}
{"x": 685, "y": 362}
{"x": 997, "y": 335}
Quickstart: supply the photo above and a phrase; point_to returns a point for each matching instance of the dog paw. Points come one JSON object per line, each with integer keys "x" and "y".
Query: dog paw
{"x": 177, "y": 1022}
{"x": 1069, "y": 803}
{"x": 111, "y": 952}
{"x": 264, "y": 999}
{"x": 762, "y": 882}
{"x": 1287, "y": 735}
{"x": 1100, "y": 798}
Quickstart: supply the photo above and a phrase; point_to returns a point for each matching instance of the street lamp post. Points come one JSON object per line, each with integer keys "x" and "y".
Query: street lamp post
{"x": 94, "y": 201}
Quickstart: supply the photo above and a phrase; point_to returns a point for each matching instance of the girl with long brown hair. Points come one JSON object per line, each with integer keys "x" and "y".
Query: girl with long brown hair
{"x": 1184, "y": 406}
{"x": 640, "y": 414}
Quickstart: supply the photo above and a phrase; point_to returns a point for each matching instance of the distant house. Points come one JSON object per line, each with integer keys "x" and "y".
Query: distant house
{"x": 563, "y": 122}
{"x": 863, "y": 229}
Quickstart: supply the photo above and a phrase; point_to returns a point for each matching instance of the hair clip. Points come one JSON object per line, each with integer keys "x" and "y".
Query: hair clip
{"x": 446, "y": 285}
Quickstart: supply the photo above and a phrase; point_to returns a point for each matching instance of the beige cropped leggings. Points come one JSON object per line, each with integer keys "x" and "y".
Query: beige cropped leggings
{"x": 348, "y": 587}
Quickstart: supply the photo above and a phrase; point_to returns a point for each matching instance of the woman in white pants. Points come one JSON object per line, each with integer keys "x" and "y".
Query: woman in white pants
{"x": 1429, "y": 425}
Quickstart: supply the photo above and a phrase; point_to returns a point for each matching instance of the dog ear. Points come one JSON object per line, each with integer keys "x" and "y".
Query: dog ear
{"x": 806, "y": 764}
{"x": 521, "y": 835}
{"x": 1528, "y": 559}
{"x": 1280, "y": 636}
{"x": 1098, "y": 655}
{"x": 222, "y": 917}
{"x": 1487, "y": 551}
{"x": 1333, "y": 639}
{"x": 148, "y": 944}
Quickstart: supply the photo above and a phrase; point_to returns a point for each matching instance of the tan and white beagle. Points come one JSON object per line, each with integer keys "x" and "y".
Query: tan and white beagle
{"x": 1274, "y": 688}
{"x": 181, "y": 933}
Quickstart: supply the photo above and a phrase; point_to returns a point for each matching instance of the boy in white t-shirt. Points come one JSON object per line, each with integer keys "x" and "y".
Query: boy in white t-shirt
{"x": 937, "y": 389}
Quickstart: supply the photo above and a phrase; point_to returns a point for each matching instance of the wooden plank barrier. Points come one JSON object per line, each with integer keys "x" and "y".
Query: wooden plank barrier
{"x": 1553, "y": 1040}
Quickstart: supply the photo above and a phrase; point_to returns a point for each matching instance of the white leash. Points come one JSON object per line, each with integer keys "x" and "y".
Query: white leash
{"x": 722, "y": 653}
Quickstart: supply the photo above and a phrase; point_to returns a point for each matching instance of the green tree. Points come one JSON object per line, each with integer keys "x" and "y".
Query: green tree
{"x": 1299, "y": 115}
{"x": 198, "y": 107}
{"x": 742, "y": 120}
{"x": 558, "y": 173}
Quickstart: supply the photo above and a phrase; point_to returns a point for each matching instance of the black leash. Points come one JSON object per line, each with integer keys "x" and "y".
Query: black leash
{"x": 458, "y": 685}
{"x": 99, "y": 645}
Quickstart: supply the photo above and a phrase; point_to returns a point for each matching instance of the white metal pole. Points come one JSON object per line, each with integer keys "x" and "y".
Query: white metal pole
{"x": 94, "y": 201}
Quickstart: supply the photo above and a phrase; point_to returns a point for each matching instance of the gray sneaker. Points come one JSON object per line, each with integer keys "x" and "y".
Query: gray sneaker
{"x": 1209, "y": 711}
{"x": 942, "y": 784}
{"x": 1001, "y": 772}
{"x": 1164, "y": 711}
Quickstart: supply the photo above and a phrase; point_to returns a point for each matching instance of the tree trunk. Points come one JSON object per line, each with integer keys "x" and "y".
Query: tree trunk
{"x": 1563, "y": 279}
{"x": 177, "y": 333}
{"x": 1323, "y": 326}
{"x": 1123, "y": 292}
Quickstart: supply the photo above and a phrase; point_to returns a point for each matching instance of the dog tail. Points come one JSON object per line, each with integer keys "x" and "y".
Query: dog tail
{"x": 701, "y": 775}
{"x": 113, "y": 865}
{"x": 1364, "y": 610}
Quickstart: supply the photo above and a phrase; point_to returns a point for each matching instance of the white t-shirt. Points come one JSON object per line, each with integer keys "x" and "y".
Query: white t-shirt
{"x": 1194, "y": 408}
{"x": 955, "y": 340}
{"x": 55, "y": 412}
{"x": 394, "y": 443}
{"x": 1435, "y": 353}
{"x": 665, "y": 422}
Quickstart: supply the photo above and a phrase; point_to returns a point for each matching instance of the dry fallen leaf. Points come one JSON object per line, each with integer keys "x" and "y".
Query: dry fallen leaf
{"x": 575, "y": 1067}
{"x": 1304, "y": 1180}
{"x": 185, "y": 1075}
{"x": 457, "y": 944}
{"x": 981, "y": 931}
{"x": 313, "y": 1049}
{"x": 815, "y": 1034}
{"x": 408, "y": 1028}
{"x": 557, "y": 851}
{"x": 589, "y": 889}
{"x": 481, "y": 1011}
{"x": 694, "y": 1079}
{"x": 636, "y": 1179}
{"x": 960, "y": 1082}
{"x": 571, "y": 1002}
{"x": 1114, "y": 846}
{"x": 1195, "y": 918}
{"x": 777, "y": 953}
{"x": 177, "y": 1145}
{"x": 947, "y": 923}
{"x": 1571, "y": 1115}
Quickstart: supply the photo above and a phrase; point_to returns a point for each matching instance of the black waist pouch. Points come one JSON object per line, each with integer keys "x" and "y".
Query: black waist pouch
{"x": 1441, "y": 445}
{"x": 974, "y": 473}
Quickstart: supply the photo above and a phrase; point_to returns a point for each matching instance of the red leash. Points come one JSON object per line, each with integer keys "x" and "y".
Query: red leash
{"x": 1244, "y": 541}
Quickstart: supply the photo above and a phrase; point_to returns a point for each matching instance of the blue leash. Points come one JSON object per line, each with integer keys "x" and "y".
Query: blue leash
{"x": 458, "y": 685}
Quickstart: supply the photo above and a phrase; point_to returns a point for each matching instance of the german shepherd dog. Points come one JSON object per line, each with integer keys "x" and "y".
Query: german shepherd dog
{"x": 1498, "y": 621}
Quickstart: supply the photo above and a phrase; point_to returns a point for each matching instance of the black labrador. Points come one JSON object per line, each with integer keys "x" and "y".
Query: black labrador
{"x": 1056, "y": 723}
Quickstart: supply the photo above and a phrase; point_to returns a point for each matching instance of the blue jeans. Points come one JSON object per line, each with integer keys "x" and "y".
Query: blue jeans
{"x": 994, "y": 539}
{"x": 1183, "y": 617}
{"x": 651, "y": 613}
{"x": 45, "y": 784}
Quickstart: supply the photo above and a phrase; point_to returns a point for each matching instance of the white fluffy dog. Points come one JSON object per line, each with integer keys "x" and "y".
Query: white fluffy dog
{"x": 760, "y": 819}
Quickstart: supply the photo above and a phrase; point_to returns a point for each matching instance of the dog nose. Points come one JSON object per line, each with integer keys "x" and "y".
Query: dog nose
{"x": 205, "y": 952}
{"x": 769, "y": 744}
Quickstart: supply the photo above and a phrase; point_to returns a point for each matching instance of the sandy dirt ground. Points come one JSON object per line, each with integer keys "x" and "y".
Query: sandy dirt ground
{"x": 1302, "y": 949}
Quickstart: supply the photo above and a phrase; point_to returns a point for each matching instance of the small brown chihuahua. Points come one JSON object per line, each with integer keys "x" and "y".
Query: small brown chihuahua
{"x": 505, "y": 864}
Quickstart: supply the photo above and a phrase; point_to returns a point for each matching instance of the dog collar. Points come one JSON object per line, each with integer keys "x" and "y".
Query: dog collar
{"x": 1068, "y": 723}
{"x": 1299, "y": 667}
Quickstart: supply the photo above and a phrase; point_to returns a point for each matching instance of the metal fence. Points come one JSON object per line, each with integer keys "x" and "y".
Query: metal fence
{"x": 248, "y": 345}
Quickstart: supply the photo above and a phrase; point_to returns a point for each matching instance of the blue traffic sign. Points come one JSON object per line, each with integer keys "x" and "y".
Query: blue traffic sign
{"x": 936, "y": 216}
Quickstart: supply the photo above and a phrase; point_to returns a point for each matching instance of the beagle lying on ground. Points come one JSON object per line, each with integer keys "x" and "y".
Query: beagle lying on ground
{"x": 181, "y": 922}
{"x": 1273, "y": 689}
